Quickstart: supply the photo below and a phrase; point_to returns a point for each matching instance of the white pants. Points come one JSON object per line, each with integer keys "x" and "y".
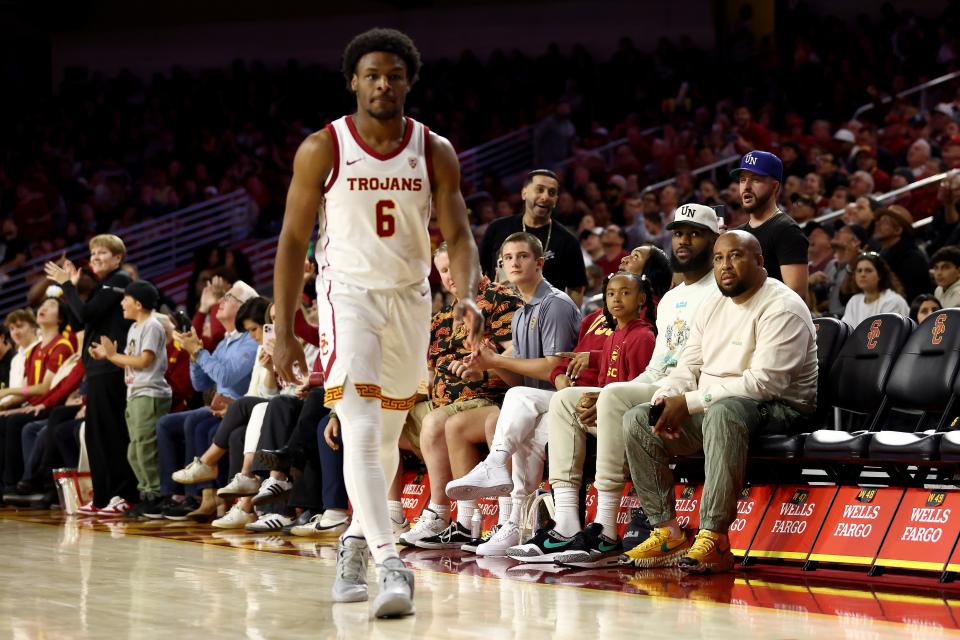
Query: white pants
{"x": 522, "y": 431}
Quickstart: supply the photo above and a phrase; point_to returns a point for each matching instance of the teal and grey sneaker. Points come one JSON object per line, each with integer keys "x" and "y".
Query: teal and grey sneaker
{"x": 396, "y": 590}
{"x": 350, "y": 584}
{"x": 590, "y": 548}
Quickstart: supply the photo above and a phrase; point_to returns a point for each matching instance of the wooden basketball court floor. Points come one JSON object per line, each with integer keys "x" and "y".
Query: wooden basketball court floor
{"x": 67, "y": 577}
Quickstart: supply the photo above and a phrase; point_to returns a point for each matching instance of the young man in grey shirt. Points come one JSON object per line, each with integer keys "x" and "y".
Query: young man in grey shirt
{"x": 148, "y": 393}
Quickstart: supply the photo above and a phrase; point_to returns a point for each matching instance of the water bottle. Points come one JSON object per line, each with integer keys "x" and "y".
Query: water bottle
{"x": 476, "y": 524}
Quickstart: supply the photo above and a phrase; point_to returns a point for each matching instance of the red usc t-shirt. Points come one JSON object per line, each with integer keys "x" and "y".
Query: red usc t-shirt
{"x": 49, "y": 357}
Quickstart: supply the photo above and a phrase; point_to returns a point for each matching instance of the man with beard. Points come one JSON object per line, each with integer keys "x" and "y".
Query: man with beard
{"x": 749, "y": 366}
{"x": 783, "y": 243}
{"x": 574, "y": 414}
{"x": 563, "y": 261}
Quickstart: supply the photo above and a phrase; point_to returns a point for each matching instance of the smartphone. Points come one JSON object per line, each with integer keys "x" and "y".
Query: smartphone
{"x": 655, "y": 412}
{"x": 269, "y": 339}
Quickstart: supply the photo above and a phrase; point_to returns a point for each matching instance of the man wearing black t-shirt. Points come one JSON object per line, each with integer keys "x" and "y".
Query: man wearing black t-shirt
{"x": 783, "y": 242}
{"x": 563, "y": 261}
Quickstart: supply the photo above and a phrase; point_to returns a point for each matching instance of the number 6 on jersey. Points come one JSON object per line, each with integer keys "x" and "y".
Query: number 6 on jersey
{"x": 386, "y": 222}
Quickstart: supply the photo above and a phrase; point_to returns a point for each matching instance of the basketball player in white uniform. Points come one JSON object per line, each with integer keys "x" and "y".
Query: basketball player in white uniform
{"x": 373, "y": 176}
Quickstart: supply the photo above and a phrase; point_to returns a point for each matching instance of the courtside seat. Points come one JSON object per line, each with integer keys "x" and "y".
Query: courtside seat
{"x": 922, "y": 382}
{"x": 857, "y": 383}
{"x": 831, "y": 334}
{"x": 950, "y": 446}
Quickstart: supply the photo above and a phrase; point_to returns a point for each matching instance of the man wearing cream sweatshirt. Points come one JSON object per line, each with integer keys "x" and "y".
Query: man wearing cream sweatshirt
{"x": 749, "y": 367}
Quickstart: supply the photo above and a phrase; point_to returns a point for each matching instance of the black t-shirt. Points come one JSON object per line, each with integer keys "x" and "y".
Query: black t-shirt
{"x": 782, "y": 242}
{"x": 563, "y": 264}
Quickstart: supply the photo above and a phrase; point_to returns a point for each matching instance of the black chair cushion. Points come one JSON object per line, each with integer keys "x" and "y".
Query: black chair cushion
{"x": 778, "y": 446}
{"x": 950, "y": 446}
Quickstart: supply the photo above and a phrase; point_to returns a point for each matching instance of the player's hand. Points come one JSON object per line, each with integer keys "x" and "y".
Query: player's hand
{"x": 578, "y": 362}
{"x": 331, "y": 431}
{"x": 469, "y": 313}
{"x": 287, "y": 355}
{"x": 671, "y": 420}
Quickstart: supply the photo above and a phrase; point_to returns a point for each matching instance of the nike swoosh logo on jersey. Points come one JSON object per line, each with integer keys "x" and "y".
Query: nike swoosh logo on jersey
{"x": 350, "y": 162}
{"x": 551, "y": 544}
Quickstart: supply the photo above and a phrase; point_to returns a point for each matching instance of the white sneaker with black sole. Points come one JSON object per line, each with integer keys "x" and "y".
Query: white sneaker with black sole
{"x": 427, "y": 525}
{"x": 272, "y": 490}
{"x": 322, "y": 526}
{"x": 454, "y": 536}
{"x": 269, "y": 522}
{"x": 471, "y": 547}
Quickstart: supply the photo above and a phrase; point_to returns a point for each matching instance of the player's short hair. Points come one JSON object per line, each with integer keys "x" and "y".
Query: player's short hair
{"x": 522, "y": 236}
{"x": 387, "y": 40}
{"x": 110, "y": 242}
{"x": 540, "y": 172}
{"x": 24, "y": 315}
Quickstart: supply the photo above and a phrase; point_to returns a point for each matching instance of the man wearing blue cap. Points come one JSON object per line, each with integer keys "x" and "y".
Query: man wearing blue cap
{"x": 784, "y": 244}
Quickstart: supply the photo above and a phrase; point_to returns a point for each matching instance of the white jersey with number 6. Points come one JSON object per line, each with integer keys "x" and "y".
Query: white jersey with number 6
{"x": 376, "y": 209}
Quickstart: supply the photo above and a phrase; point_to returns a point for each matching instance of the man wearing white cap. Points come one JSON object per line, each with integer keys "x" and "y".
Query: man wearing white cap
{"x": 573, "y": 415}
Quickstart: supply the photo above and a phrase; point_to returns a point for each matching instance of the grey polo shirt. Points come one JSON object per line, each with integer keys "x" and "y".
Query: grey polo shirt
{"x": 545, "y": 326}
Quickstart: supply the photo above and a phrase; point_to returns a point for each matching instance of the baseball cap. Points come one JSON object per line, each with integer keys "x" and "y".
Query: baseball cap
{"x": 144, "y": 293}
{"x": 844, "y": 135}
{"x": 243, "y": 291}
{"x": 698, "y": 215}
{"x": 617, "y": 181}
{"x": 862, "y": 234}
{"x": 813, "y": 225}
{"x": 762, "y": 163}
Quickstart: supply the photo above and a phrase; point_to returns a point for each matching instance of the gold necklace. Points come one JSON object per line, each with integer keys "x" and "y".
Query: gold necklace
{"x": 549, "y": 232}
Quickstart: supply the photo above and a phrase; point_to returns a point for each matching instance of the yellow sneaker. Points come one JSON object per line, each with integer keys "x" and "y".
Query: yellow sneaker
{"x": 658, "y": 550}
{"x": 709, "y": 554}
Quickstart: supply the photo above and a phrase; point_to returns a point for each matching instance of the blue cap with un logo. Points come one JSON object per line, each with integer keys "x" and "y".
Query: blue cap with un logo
{"x": 762, "y": 163}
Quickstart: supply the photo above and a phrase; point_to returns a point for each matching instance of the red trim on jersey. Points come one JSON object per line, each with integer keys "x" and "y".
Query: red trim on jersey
{"x": 407, "y": 134}
{"x": 336, "y": 158}
{"x": 333, "y": 350}
{"x": 428, "y": 154}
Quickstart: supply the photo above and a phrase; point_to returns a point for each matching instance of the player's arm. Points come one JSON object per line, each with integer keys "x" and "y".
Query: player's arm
{"x": 311, "y": 166}
{"x": 452, "y": 216}
{"x": 795, "y": 277}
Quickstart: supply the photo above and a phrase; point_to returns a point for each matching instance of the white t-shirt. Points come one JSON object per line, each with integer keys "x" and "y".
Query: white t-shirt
{"x": 889, "y": 302}
{"x": 675, "y": 315}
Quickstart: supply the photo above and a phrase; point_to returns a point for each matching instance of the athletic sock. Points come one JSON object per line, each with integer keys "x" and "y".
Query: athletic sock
{"x": 608, "y": 503}
{"x": 498, "y": 458}
{"x": 566, "y": 502}
{"x": 396, "y": 510}
{"x": 465, "y": 510}
{"x": 443, "y": 512}
{"x": 506, "y": 508}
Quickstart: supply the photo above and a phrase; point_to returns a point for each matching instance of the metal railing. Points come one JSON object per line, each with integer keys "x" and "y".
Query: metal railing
{"x": 157, "y": 247}
{"x": 503, "y": 156}
{"x": 712, "y": 167}
{"x": 920, "y": 88}
{"x": 893, "y": 195}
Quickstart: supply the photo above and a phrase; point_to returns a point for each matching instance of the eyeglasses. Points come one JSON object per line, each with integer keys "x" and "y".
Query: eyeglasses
{"x": 869, "y": 254}
{"x": 232, "y": 297}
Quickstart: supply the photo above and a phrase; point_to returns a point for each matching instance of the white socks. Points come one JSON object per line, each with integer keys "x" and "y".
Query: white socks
{"x": 498, "y": 458}
{"x": 442, "y": 511}
{"x": 465, "y": 510}
{"x": 566, "y": 503}
{"x": 506, "y": 507}
{"x": 608, "y": 503}
{"x": 396, "y": 510}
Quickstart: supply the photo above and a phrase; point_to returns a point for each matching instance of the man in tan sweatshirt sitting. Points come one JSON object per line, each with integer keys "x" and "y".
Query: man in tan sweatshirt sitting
{"x": 749, "y": 367}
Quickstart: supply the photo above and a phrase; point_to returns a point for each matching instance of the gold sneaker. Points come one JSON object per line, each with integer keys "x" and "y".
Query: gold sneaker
{"x": 709, "y": 554}
{"x": 658, "y": 550}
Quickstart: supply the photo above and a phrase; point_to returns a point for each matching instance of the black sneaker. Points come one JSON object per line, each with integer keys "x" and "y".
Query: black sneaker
{"x": 453, "y": 537}
{"x": 471, "y": 547}
{"x": 180, "y": 510}
{"x": 299, "y": 521}
{"x": 590, "y": 548}
{"x": 146, "y": 505}
{"x": 154, "y": 511}
{"x": 544, "y": 546}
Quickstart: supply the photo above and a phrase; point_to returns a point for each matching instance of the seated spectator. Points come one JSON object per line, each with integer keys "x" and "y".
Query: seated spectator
{"x": 205, "y": 321}
{"x": 879, "y": 290}
{"x": 861, "y": 184}
{"x": 945, "y": 265}
{"x": 922, "y": 306}
{"x": 590, "y": 245}
{"x": 613, "y": 241}
{"x": 454, "y": 391}
{"x": 754, "y": 370}
{"x": 847, "y": 244}
{"x": 229, "y": 368}
{"x": 802, "y": 208}
{"x": 893, "y": 229}
{"x": 820, "y": 255}
{"x": 8, "y": 350}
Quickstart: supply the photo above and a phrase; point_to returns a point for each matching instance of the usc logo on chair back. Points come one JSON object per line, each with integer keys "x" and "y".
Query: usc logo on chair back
{"x": 939, "y": 328}
{"x": 874, "y": 334}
